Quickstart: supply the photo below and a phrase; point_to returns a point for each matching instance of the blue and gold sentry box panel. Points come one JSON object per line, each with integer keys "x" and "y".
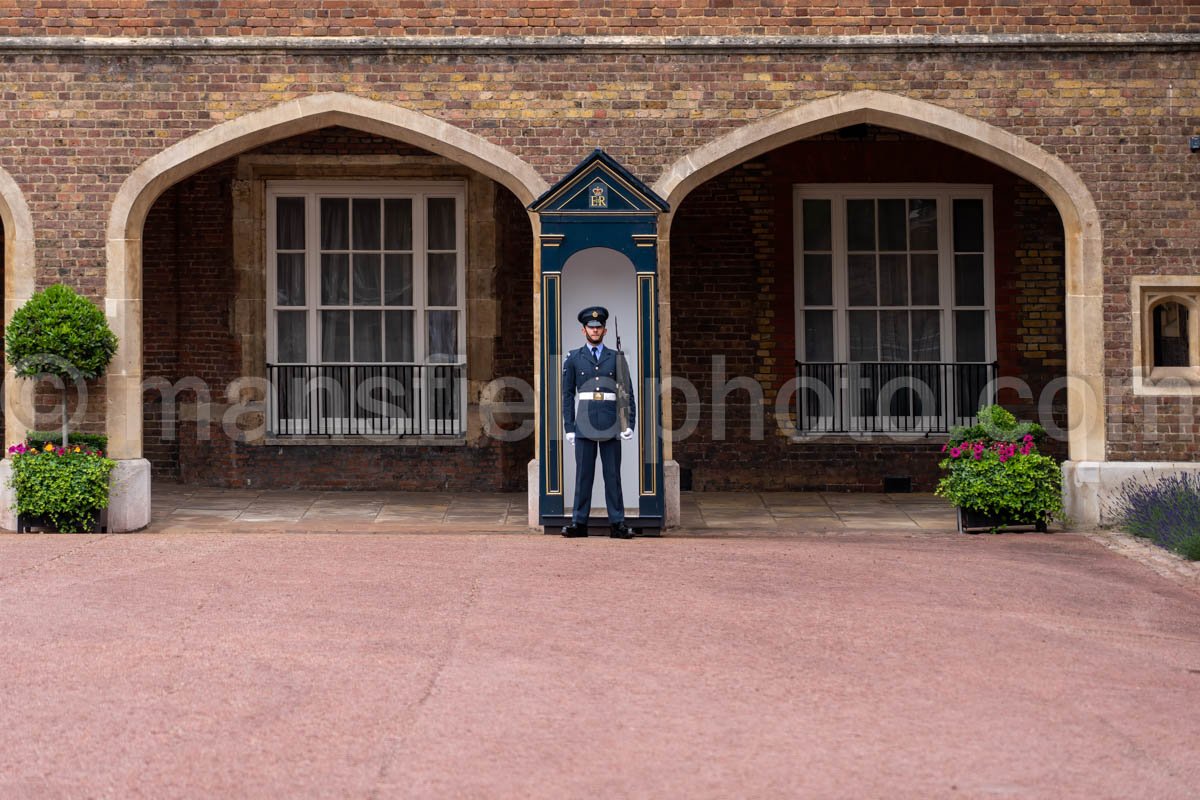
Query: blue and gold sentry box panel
{"x": 601, "y": 205}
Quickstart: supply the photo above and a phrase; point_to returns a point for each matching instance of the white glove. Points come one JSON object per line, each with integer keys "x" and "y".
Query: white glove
{"x": 571, "y": 439}
{"x": 627, "y": 434}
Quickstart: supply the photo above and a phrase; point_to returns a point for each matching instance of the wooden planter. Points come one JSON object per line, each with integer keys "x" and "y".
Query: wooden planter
{"x": 28, "y": 523}
{"x": 974, "y": 522}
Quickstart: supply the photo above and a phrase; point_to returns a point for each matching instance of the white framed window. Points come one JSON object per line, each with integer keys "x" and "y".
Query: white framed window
{"x": 895, "y": 306}
{"x": 366, "y": 325}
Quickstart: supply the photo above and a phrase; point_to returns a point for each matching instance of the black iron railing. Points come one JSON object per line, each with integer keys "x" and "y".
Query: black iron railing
{"x": 890, "y": 397}
{"x": 366, "y": 399}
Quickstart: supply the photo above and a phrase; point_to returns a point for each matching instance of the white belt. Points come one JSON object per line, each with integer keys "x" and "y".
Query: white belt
{"x": 597, "y": 395}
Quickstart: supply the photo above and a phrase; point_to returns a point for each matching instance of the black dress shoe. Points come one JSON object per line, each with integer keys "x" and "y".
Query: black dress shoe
{"x": 621, "y": 531}
{"x": 574, "y": 530}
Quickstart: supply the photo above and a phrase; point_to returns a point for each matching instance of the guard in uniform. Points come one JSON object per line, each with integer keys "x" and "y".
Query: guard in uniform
{"x": 598, "y": 377}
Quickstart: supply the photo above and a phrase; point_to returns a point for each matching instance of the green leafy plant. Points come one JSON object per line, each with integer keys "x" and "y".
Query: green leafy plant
{"x": 65, "y": 486}
{"x": 1002, "y": 478}
{"x": 88, "y": 441}
{"x": 996, "y": 424}
{"x": 57, "y": 332}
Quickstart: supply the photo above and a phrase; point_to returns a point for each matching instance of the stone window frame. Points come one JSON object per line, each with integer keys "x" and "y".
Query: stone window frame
{"x": 1147, "y": 292}
{"x": 481, "y": 311}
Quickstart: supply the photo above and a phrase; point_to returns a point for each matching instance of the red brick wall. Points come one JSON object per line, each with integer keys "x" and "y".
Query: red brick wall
{"x": 670, "y": 17}
{"x": 189, "y": 290}
{"x": 74, "y": 125}
{"x": 732, "y": 294}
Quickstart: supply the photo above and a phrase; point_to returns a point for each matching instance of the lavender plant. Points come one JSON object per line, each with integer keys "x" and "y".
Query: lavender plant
{"x": 1167, "y": 512}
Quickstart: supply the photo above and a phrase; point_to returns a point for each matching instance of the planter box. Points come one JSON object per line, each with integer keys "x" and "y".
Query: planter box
{"x": 974, "y": 522}
{"x": 28, "y": 523}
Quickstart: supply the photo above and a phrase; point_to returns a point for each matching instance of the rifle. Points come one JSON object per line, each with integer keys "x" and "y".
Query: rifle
{"x": 622, "y": 381}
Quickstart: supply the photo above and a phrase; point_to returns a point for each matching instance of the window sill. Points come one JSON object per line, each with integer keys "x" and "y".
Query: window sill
{"x": 1168, "y": 382}
{"x": 454, "y": 440}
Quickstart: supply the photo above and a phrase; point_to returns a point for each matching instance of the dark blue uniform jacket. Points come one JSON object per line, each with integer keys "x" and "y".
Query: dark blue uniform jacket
{"x": 585, "y": 376}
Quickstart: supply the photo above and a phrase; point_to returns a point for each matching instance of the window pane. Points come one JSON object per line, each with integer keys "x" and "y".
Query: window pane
{"x": 442, "y": 224}
{"x": 968, "y": 226}
{"x": 862, "y": 336}
{"x": 335, "y": 279}
{"x": 1171, "y": 341}
{"x": 818, "y": 227}
{"x": 335, "y": 335}
{"x": 970, "y": 342}
{"x": 366, "y": 279}
{"x": 922, "y": 225}
{"x": 443, "y": 336}
{"x": 397, "y": 280}
{"x": 968, "y": 280}
{"x": 368, "y": 336}
{"x": 818, "y": 336}
{"x": 862, "y": 280}
{"x": 289, "y": 223}
{"x": 292, "y": 337}
{"x": 443, "y": 279}
{"x": 924, "y": 279}
{"x": 818, "y": 279}
{"x": 893, "y": 336}
{"x": 926, "y": 336}
{"x": 893, "y": 226}
{"x": 398, "y": 335}
{"x": 289, "y": 279}
{"x": 860, "y": 224}
{"x": 366, "y": 224}
{"x": 397, "y": 222}
{"x": 893, "y": 280}
{"x": 335, "y": 227}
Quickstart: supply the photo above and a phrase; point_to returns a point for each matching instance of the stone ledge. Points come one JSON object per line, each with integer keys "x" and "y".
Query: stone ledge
{"x": 1089, "y": 486}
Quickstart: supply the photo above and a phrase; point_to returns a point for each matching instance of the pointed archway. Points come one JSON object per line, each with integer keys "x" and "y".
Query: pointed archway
{"x": 19, "y": 282}
{"x": 1084, "y": 283}
{"x": 1065, "y": 189}
{"x": 202, "y": 150}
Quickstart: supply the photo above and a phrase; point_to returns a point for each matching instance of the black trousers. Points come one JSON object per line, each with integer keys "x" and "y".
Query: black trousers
{"x": 585, "y": 474}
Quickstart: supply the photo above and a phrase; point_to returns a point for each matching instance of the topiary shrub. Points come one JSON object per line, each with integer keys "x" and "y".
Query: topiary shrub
{"x": 57, "y": 332}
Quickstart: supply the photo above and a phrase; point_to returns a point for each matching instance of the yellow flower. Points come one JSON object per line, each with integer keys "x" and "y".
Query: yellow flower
{"x": 48, "y": 447}
{"x": 75, "y": 449}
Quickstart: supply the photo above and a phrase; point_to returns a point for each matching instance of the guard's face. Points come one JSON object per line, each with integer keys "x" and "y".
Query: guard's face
{"x": 594, "y": 335}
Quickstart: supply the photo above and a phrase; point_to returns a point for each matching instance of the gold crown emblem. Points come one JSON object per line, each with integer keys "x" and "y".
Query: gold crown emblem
{"x": 595, "y": 315}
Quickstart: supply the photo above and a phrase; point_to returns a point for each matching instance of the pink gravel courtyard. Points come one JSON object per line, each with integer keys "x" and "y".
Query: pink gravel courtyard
{"x": 887, "y": 664}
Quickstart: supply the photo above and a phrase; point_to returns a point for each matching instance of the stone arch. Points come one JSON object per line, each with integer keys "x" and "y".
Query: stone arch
{"x": 154, "y": 176}
{"x": 1084, "y": 268}
{"x": 19, "y": 281}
